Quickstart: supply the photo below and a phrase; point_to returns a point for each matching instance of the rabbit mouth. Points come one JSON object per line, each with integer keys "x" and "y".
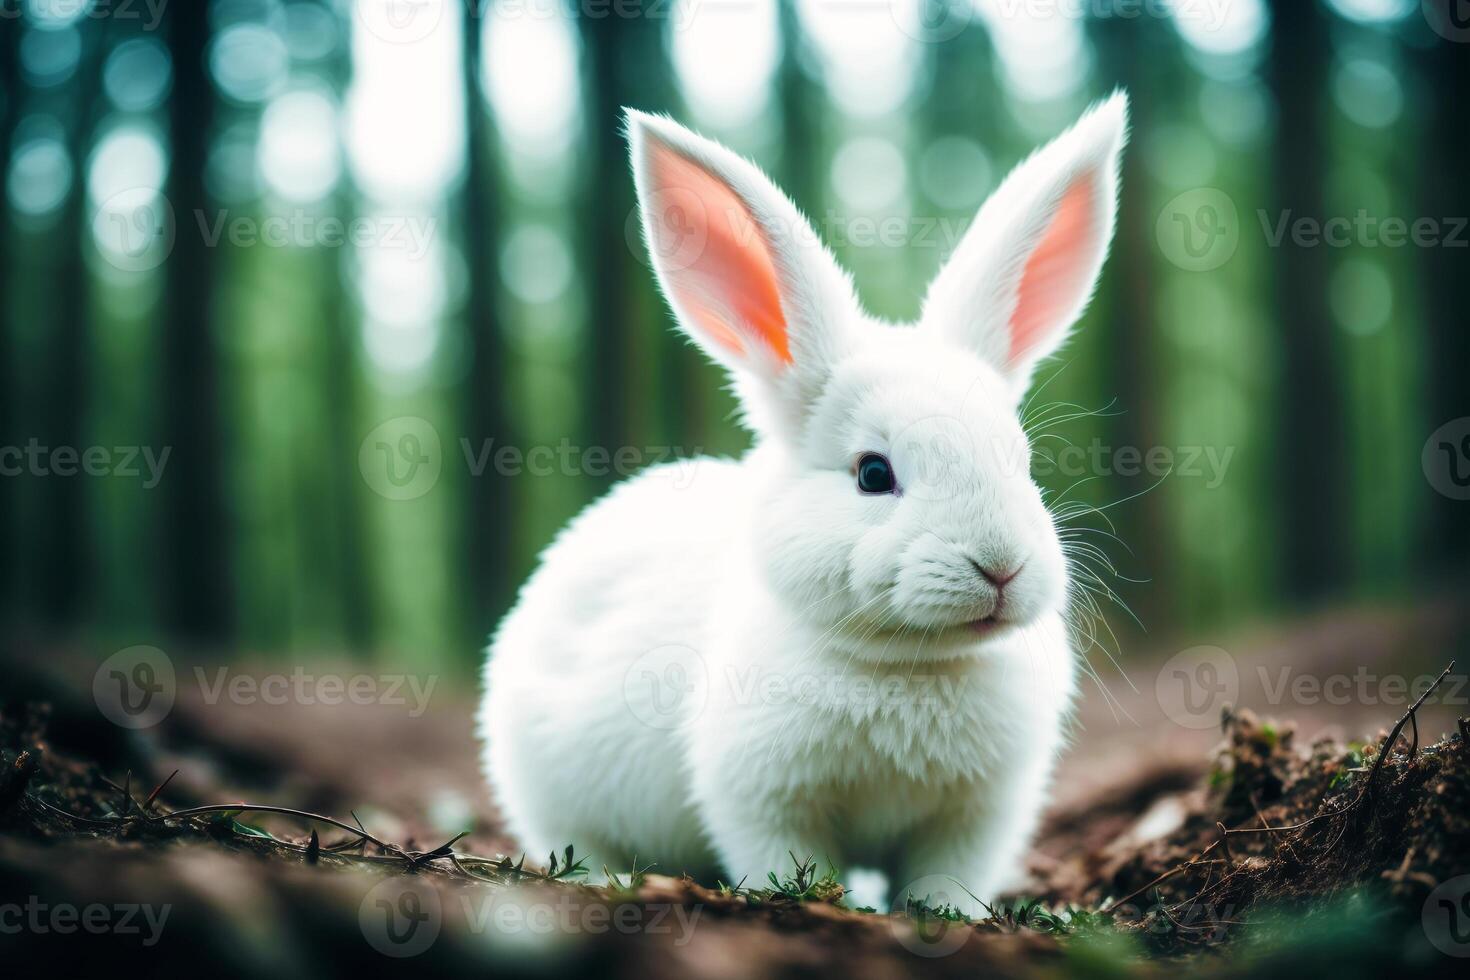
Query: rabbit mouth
{"x": 986, "y": 626}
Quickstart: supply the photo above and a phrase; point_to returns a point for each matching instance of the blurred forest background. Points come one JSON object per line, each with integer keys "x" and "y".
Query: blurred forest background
{"x": 321, "y": 252}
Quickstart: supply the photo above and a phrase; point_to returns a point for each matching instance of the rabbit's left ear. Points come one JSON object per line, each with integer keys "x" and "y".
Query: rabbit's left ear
{"x": 1027, "y": 266}
{"x": 746, "y": 275}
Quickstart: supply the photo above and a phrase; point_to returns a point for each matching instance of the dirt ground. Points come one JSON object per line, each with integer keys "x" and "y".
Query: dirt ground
{"x": 1268, "y": 837}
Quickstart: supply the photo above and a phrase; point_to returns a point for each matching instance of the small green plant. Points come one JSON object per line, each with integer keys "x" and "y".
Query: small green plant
{"x": 562, "y": 870}
{"x": 1032, "y": 914}
{"x": 1269, "y": 734}
{"x": 730, "y": 891}
{"x": 802, "y": 884}
{"x": 636, "y": 877}
{"x": 924, "y": 908}
{"x": 1353, "y": 763}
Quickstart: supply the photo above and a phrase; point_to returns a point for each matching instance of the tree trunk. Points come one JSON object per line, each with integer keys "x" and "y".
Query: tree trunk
{"x": 63, "y": 568}
{"x": 626, "y": 67}
{"x": 486, "y": 555}
{"x": 1312, "y": 445}
{"x": 11, "y": 99}
{"x": 198, "y": 599}
{"x": 1445, "y": 196}
{"x": 801, "y": 119}
{"x": 344, "y": 416}
{"x": 1129, "y": 365}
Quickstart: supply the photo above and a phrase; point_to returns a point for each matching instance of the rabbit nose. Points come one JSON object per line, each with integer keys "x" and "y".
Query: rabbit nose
{"x": 996, "y": 575}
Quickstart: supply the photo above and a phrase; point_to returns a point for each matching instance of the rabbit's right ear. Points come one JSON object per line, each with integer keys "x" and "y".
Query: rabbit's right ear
{"x": 1027, "y": 266}
{"x": 744, "y": 272}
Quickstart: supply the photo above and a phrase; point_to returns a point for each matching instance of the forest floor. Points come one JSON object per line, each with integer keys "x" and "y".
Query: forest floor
{"x": 1308, "y": 837}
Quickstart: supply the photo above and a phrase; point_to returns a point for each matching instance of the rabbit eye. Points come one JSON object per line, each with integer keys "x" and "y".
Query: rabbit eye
{"x": 874, "y": 474}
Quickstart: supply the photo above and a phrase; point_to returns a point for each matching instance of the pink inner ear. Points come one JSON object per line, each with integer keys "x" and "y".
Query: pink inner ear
{"x": 1058, "y": 270}
{"x": 733, "y": 274}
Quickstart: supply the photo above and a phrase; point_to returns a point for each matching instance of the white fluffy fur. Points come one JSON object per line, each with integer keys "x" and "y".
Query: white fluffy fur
{"x": 773, "y": 574}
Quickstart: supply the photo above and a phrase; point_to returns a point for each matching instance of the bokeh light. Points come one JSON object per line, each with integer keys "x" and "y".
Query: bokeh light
{"x": 404, "y": 293}
{"x": 40, "y": 176}
{"x": 249, "y": 62}
{"x": 50, "y": 14}
{"x": 535, "y": 263}
{"x": 1225, "y": 30}
{"x": 137, "y": 75}
{"x": 311, "y": 31}
{"x": 231, "y": 174}
{"x": 1367, "y": 92}
{"x": 1042, "y": 52}
{"x": 529, "y": 75}
{"x": 132, "y": 222}
{"x": 869, "y": 173}
{"x": 49, "y": 56}
{"x": 299, "y": 157}
{"x": 955, "y": 172}
{"x": 1374, "y": 11}
{"x": 868, "y": 60}
{"x": 404, "y": 125}
{"x": 1361, "y": 295}
{"x": 725, "y": 56}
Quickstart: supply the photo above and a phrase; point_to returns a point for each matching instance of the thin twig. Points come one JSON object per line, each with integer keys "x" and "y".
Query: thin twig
{"x": 199, "y": 811}
{"x": 1266, "y": 828}
{"x": 153, "y": 796}
{"x": 1112, "y": 906}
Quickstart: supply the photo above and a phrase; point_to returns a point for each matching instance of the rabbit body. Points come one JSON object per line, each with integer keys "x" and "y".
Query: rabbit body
{"x": 850, "y": 644}
{"x": 633, "y": 717}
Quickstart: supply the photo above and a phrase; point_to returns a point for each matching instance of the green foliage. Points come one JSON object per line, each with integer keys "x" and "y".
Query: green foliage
{"x": 311, "y": 555}
{"x": 1354, "y": 762}
{"x": 1034, "y": 915}
{"x": 801, "y": 884}
{"x": 1269, "y": 735}
{"x": 635, "y": 877}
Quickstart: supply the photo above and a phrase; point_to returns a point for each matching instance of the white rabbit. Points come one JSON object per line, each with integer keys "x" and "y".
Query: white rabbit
{"x": 850, "y": 643}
